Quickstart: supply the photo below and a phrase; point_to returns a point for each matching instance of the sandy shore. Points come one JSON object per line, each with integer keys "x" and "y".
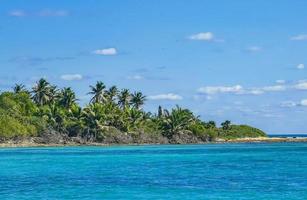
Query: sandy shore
{"x": 266, "y": 139}
{"x": 30, "y": 143}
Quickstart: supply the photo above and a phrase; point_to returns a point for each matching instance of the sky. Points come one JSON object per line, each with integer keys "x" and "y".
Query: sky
{"x": 245, "y": 61}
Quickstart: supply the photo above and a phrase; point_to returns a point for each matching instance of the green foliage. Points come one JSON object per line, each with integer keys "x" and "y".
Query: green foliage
{"x": 241, "y": 131}
{"x": 110, "y": 112}
{"x": 176, "y": 121}
{"x": 210, "y": 124}
{"x": 18, "y": 88}
{"x": 124, "y": 98}
{"x": 98, "y": 92}
{"x": 43, "y": 92}
{"x": 198, "y": 129}
{"x": 137, "y": 100}
{"x": 67, "y": 98}
{"x": 17, "y": 117}
{"x": 226, "y": 125}
{"x": 11, "y": 127}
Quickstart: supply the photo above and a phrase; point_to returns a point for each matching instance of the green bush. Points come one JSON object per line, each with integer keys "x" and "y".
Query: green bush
{"x": 11, "y": 127}
{"x": 17, "y": 116}
{"x": 241, "y": 131}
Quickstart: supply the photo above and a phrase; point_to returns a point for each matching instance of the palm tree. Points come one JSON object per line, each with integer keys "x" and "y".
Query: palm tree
{"x": 98, "y": 92}
{"x": 124, "y": 98}
{"x": 112, "y": 93}
{"x": 54, "y": 116}
{"x": 19, "y": 88}
{"x": 160, "y": 112}
{"x": 137, "y": 100}
{"x": 41, "y": 92}
{"x": 210, "y": 124}
{"x": 53, "y": 94}
{"x": 134, "y": 118}
{"x": 67, "y": 98}
{"x": 94, "y": 120}
{"x": 226, "y": 125}
{"x": 177, "y": 121}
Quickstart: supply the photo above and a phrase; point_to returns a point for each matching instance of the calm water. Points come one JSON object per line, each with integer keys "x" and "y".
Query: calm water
{"x": 289, "y": 135}
{"x": 215, "y": 171}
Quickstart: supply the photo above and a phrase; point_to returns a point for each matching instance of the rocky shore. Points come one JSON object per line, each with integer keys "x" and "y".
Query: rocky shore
{"x": 59, "y": 142}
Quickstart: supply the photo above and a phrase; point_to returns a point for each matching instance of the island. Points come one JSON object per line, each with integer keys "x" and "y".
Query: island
{"x": 47, "y": 115}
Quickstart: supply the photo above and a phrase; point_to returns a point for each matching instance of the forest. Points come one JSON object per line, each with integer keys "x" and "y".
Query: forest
{"x": 113, "y": 116}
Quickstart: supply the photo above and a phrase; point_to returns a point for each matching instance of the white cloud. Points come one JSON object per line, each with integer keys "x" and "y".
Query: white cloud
{"x": 274, "y": 88}
{"x": 240, "y": 90}
{"x": 254, "y": 49}
{"x": 17, "y": 13}
{"x": 291, "y": 104}
{"x": 299, "y": 37}
{"x": 206, "y": 36}
{"x": 303, "y": 102}
{"x": 72, "y": 77}
{"x": 106, "y": 52}
{"x": 135, "y": 77}
{"x": 41, "y": 13}
{"x": 280, "y": 81}
{"x": 221, "y": 89}
{"x": 253, "y": 91}
{"x": 302, "y": 85}
{"x": 300, "y": 66}
{"x": 169, "y": 96}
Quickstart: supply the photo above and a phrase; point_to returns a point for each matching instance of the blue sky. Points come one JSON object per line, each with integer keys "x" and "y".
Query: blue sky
{"x": 239, "y": 60}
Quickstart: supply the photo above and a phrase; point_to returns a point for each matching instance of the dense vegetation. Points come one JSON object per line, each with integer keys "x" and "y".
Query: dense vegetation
{"x": 112, "y": 116}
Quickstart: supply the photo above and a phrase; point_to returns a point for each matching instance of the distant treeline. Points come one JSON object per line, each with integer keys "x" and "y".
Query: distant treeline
{"x": 109, "y": 114}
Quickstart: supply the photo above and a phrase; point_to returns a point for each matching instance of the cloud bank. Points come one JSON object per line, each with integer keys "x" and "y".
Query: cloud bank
{"x": 168, "y": 96}
{"x": 71, "y": 77}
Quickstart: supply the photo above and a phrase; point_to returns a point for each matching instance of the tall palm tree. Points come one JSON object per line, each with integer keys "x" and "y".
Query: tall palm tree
{"x": 137, "y": 100}
{"x": 53, "y": 94}
{"x": 124, "y": 98}
{"x": 67, "y": 98}
{"x": 94, "y": 120}
{"x": 98, "y": 92}
{"x": 19, "y": 88}
{"x": 176, "y": 121}
{"x": 41, "y": 92}
{"x": 112, "y": 93}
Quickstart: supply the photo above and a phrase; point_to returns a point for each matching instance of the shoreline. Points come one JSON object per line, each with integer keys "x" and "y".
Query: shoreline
{"x": 29, "y": 143}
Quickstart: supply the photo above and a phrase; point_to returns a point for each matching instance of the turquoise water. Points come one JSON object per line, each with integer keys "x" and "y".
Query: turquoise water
{"x": 214, "y": 171}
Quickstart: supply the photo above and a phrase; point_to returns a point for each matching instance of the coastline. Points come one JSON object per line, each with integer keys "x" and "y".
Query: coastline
{"x": 31, "y": 143}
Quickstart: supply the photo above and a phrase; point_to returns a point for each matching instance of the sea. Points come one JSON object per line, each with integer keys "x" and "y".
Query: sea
{"x": 293, "y": 135}
{"x": 212, "y": 171}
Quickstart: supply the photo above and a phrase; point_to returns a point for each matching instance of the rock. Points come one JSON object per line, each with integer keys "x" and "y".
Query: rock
{"x": 51, "y": 137}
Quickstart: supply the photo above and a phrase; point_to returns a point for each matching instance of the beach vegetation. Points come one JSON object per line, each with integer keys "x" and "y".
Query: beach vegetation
{"x": 111, "y": 112}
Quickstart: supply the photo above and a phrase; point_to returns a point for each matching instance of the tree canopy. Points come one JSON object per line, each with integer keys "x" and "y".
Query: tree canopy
{"x": 120, "y": 113}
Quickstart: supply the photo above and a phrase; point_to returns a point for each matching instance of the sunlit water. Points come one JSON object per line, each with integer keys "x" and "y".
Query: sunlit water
{"x": 214, "y": 171}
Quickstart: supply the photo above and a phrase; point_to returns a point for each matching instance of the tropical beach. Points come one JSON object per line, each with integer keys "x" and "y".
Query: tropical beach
{"x": 48, "y": 115}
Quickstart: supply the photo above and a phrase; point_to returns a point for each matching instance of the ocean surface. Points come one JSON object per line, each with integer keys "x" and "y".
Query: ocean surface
{"x": 288, "y": 135}
{"x": 212, "y": 171}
